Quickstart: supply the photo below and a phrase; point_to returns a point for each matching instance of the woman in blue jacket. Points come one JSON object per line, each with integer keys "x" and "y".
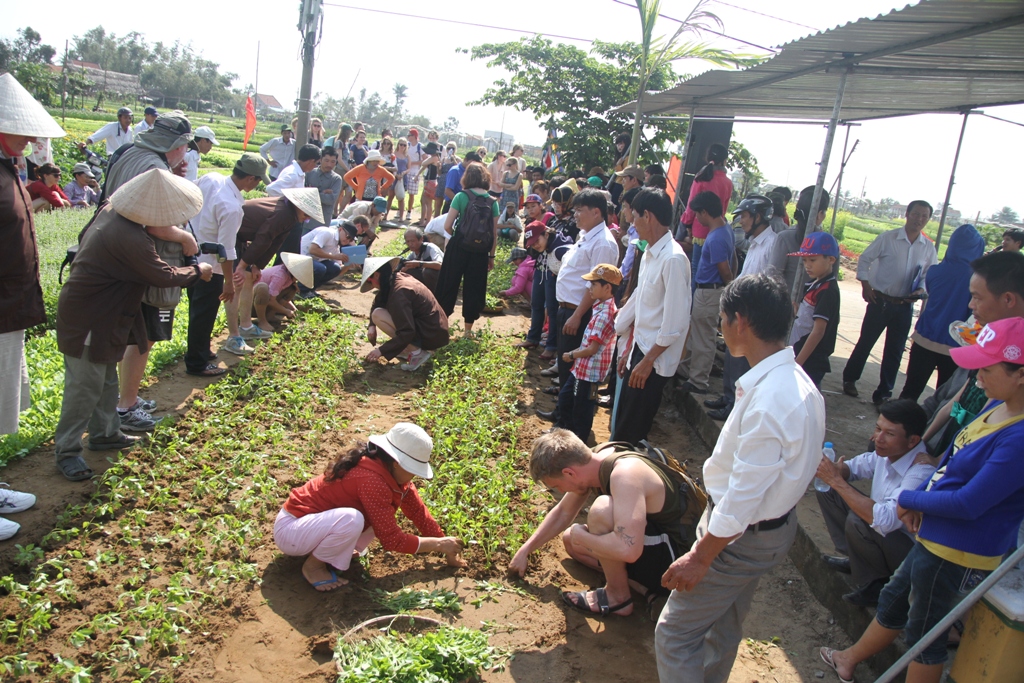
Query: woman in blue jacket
{"x": 966, "y": 517}
{"x": 948, "y": 286}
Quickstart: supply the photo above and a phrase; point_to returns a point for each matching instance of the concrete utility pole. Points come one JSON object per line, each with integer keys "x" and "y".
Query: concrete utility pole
{"x": 309, "y": 25}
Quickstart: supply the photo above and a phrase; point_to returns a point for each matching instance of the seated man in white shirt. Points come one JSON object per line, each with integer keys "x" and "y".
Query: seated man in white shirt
{"x": 324, "y": 245}
{"x": 294, "y": 176}
{"x": 373, "y": 210}
{"x": 866, "y": 530}
{"x": 765, "y": 457}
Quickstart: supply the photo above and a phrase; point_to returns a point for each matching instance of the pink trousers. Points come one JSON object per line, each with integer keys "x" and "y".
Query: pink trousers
{"x": 330, "y": 536}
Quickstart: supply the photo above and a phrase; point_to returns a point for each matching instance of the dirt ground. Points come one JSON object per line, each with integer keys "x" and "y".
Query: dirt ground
{"x": 284, "y": 631}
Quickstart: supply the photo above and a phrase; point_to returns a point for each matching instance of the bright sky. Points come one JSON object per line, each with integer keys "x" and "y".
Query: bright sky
{"x": 905, "y": 158}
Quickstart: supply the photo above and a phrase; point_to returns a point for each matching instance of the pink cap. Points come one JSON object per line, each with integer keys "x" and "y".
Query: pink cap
{"x": 999, "y": 341}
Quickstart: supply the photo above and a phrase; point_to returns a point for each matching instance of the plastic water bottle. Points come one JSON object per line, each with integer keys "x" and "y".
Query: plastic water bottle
{"x": 829, "y": 453}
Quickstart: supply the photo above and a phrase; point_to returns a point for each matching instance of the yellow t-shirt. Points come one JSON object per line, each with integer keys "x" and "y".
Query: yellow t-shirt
{"x": 977, "y": 429}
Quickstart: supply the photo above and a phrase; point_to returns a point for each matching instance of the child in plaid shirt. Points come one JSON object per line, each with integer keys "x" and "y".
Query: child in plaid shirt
{"x": 591, "y": 362}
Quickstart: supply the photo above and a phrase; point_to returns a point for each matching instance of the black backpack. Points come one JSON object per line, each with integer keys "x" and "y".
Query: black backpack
{"x": 477, "y": 224}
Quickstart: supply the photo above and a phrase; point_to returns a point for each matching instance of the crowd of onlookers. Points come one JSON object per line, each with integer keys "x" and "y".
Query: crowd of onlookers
{"x": 624, "y": 298}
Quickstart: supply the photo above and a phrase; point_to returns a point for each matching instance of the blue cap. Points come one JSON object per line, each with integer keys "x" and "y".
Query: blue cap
{"x": 380, "y": 203}
{"x": 151, "y": 111}
{"x": 818, "y": 244}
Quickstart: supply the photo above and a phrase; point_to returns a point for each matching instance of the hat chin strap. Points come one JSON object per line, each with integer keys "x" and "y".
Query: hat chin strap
{"x": 7, "y": 148}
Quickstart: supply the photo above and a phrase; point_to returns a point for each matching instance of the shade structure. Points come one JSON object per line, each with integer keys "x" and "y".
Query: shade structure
{"x": 935, "y": 56}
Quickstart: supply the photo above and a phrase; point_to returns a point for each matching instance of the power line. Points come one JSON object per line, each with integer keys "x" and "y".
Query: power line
{"x": 461, "y": 23}
{"x": 717, "y": 33}
{"x": 769, "y": 16}
{"x": 1016, "y": 123}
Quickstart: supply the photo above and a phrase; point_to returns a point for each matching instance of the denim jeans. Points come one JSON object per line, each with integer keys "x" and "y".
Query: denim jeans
{"x": 323, "y": 272}
{"x": 537, "y": 303}
{"x": 576, "y": 405}
{"x": 694, "y": 262}
{"x": 922, "y": 591}
{"x": 551, "y": 302}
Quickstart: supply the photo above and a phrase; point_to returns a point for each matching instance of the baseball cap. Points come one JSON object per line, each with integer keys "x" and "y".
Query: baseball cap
{"x": 533, "y": 232}
{"x": 286, "y": 128}
{"x": 594, "y": 181}
{"x": 82, "y": 167}
{"x": 632, "y": 171}
{"x": 414, "y": 131}
{"x": 533, "y": 198}
{"x": 999, "y": 341}
{"x": 124, "y": 111}
{"x": 606, "y": 272}
{"x": 818, "y": 244}
{"x": 151, "y": 111}
{"x": 380, "y": 203}
{"x": 253, "y": 164}
{"x": 207, "y": 133}
{"x": 517, "y": 252}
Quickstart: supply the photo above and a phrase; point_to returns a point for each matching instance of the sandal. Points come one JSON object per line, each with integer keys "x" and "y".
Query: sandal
{"x": 551, "y": 391}
{"x": 74, "y": 468}
{"x": 210, "y": 370}
{"x": 826, "y": 656}
{"x": 547, "y": 355}
{"x": 338, "y": 583}
{"x": 578, "y": 600}
{"x": 527, "y": 344}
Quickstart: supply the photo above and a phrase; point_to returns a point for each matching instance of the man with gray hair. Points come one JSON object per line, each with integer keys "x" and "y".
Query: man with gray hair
{"x": 163, "y": 146}
{"x": 424, "y": 262}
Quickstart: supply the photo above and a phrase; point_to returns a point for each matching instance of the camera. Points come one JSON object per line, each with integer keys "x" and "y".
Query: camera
{"x": 208, "y": 248}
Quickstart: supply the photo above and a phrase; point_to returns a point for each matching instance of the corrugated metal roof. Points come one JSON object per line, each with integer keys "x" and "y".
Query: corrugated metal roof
{"x": 937, "y": 55}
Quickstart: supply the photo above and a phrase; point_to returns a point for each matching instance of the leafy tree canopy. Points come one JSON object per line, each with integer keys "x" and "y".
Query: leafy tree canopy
{"x": 1005, "y": 215}
{"x": 572, "y": 91}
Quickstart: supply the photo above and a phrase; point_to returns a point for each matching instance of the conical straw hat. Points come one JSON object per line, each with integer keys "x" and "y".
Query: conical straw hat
{"x": 371, "y": 266}
{"x": 21, "y": 114}
{"x": 308, "y": 201}
{"x": 159, "y": 198}
{"x": 299, "y": 266}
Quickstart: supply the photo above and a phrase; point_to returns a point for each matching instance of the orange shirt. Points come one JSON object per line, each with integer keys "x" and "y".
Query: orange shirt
{"x": 359, "y": 177}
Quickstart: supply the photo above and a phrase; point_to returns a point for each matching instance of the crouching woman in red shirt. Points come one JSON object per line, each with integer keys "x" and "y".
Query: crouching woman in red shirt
{"x": 341, "y": 511}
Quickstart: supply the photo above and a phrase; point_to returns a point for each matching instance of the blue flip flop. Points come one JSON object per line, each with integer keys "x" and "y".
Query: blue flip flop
{"x": 333, "y": 579}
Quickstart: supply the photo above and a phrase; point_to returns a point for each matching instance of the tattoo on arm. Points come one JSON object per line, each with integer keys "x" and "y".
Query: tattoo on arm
{"x": 626, "y": 538}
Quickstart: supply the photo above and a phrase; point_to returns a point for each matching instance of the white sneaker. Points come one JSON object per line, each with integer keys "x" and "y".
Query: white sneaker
{"x": 237, "y": 346}
{"x": 255, "y": 332}
{"x": 12, "y": 501}
{"x": 8, "y": 528}
{"x": 416, "y": 359}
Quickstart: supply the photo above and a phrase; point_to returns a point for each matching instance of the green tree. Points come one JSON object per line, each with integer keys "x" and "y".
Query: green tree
{"x": 401, "y": 92}
{"x": 573, "y": 92}
{"x": 1005, "y": 215}
{"x": 658, "y": 54}
{"x": 127, "y": 54}
{"x": 28, "y": 59}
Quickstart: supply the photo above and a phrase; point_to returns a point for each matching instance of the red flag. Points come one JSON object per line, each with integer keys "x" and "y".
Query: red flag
{"x": 673, "y": 175}
{"x": 250, "y": 121}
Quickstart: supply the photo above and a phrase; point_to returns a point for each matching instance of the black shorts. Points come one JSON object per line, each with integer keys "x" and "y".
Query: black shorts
{"x": 658, "y": 554}
{"x": 159, "y": 322}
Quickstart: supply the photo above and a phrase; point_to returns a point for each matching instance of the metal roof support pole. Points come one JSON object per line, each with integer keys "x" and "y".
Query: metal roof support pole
{"x": 819, "y": 186}
{"x": 680, "y": 203}
{"x": 839, "y": 183}
{"x": 949, "y": 188}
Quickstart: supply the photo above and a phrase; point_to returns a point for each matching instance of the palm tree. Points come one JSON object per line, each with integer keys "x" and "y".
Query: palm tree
{"x": 400, "y": 93}
{"x": 657, "y": 53}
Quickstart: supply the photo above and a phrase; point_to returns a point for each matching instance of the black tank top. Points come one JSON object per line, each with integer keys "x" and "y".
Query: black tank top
{"x": 669, "y": 518}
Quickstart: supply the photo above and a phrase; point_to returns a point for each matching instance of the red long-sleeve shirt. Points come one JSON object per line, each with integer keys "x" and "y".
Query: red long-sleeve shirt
{"x": 52, "y": 194}
{"x": 720, "y": 185}
{"x": 369, "y": 488}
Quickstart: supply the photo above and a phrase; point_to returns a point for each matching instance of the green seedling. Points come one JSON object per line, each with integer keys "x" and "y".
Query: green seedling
{"x": 409, "y": 599}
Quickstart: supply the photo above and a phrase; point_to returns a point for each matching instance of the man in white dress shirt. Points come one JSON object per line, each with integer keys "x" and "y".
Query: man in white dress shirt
{"x": 295, "y": 175}
{"x": 148, "y": 119}
{"x": 766, "y": 456}
{"x": 115, "y": 133}
{"x": 867, "y": 532}
{"x": 891, "y": 273}
{"x": 656, "y": 318}
{"x": 595, "y": 245}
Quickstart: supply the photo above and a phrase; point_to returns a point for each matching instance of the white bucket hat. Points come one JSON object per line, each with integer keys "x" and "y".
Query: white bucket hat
{"x": 299, "y": 266}
{"x": 21, "y": 114}
{"x": 308, "y": 201}
{"x": 207, "y": 133}
{"x": 410, "y": 446}
{"x": 373, "y": 155}
{"x": 159, "y": 198}
{"x": 371, "y": 266}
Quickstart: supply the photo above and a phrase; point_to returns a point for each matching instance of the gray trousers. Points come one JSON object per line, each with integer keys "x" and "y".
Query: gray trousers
{"x": 90, "y": 402}
{"x": 872, "y": 555}
{"x": 699, "y": 631}
{"x": 700, "y": 344}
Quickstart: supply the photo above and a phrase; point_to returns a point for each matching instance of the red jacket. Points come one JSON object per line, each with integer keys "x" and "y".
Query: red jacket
{"x": 369, "y": 488}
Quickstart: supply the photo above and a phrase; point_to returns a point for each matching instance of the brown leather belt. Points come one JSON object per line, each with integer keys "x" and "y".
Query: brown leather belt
{"x": 571, "y": 307}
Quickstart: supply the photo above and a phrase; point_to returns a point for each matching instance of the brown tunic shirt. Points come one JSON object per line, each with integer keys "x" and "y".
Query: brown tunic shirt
{"x": 116, "y": 262}
{"x": 266, "y": 223}
{"x": 417, "y": 317}
{"x": 21, "y": 297}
